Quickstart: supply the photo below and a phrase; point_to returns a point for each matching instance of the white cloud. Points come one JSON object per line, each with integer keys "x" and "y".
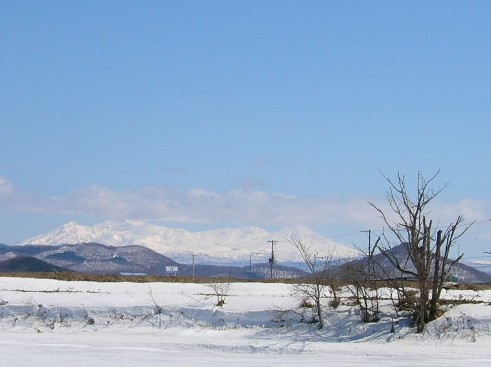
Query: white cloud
{"x": 236, "y": 207}
{"x": 198, "y": 205}
{"x": 471, "y": 210}
{"x": 198, "y": 193}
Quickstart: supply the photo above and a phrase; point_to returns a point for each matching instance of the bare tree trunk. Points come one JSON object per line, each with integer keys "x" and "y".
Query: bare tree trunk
{"x": 422, "y": 309}
{"x": 436, "y": 276}
{"x": 319, "y": 306}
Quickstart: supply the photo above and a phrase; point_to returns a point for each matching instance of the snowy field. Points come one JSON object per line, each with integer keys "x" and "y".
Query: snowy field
{"x": 55, "y": 323}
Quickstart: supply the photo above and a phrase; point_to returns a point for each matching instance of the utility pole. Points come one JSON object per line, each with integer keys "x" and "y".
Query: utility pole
{"x": 369, "y": 239}
{"x": 271, "y": 259}
{"x": 193, "y": 264}
{"x": 369, "y": 259}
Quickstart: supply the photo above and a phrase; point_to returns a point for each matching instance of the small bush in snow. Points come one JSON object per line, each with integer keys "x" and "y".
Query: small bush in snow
{"x": 220, "y": 291}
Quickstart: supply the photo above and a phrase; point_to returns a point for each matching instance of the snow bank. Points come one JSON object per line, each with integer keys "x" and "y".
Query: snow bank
{"x": 260, "y": 323}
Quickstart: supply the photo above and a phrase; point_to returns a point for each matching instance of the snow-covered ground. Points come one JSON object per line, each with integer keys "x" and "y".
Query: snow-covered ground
{"x": 56, "y": 323}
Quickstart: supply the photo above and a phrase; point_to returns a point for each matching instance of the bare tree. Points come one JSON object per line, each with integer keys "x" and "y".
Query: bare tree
{"x": 220, "y": 291}
{"x": 321, "y": 278}
{"x": 359, "y": 277}
{"x": 426, "y": 251}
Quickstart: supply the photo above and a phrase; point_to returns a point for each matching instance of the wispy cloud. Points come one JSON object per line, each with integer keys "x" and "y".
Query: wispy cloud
{"x": 236, "y": 207}
{"x": 6, "y": 187}
{"x": 471, "y": 210}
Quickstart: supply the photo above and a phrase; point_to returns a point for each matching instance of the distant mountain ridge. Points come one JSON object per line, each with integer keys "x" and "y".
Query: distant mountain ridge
{"x": 92, "y": 258}
{"x": 212, "y": 247}
{"x": 96, "y": 258}
{"x": 382, "y": 268}
{"x": 28, "y": 264}
{"x": 482, "y": 265}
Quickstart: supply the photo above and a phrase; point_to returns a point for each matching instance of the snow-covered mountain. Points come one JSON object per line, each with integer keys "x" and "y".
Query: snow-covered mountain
{"x": 230, "y": 244}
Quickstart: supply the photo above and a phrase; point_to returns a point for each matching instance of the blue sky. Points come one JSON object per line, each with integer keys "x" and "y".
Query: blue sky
{"x": 210, "y": 114}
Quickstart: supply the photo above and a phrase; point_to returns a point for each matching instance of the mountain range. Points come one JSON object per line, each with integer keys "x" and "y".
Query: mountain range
{"x": 238, "y": 246}
{"x": 136, "y": 247}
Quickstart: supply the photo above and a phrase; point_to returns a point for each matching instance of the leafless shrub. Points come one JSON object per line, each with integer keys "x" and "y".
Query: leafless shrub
{"x": 220, "y": 291}
{"x": 306, "y": 303}
{"x": 321, "y": 279}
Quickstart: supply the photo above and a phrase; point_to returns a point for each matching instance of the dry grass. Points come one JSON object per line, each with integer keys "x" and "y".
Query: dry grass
{"x": 72, "y": 276}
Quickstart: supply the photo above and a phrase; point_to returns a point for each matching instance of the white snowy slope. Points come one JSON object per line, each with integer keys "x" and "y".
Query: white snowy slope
{"x": 219, "y": 245}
